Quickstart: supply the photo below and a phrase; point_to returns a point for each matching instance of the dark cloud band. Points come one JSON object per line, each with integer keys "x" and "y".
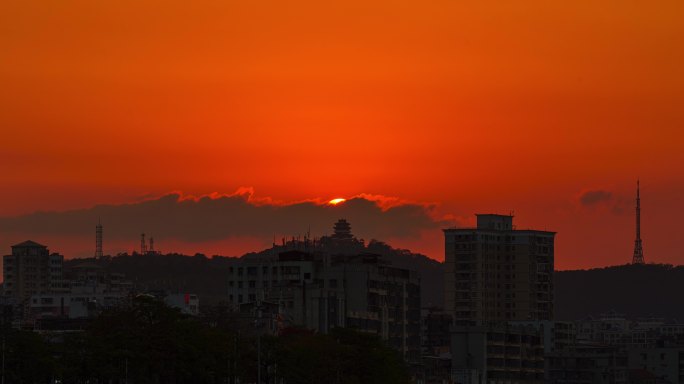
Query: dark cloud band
{"x": 217, "y": 217}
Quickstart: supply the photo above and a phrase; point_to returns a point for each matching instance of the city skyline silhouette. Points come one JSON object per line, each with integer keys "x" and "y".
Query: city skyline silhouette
{"x": 359, "y": 191}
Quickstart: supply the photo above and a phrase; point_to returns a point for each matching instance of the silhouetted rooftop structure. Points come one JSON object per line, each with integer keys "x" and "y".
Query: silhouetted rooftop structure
{"x": 29, "y": 244}
{"x": 295, "y": 255}
{"x": 342, "y": 230}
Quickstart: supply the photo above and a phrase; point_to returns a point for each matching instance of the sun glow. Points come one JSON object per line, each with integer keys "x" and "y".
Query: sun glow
{"x": 336, "y": 201}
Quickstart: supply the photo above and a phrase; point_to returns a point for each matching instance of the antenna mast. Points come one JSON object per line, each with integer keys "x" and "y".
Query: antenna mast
{"x": 143, "y": 246}
{"x": 638, "y": 257}
{"x": 98, "y": 240}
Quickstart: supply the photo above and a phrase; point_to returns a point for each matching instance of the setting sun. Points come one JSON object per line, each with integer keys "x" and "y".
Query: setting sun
{"x": 336, "y": 201}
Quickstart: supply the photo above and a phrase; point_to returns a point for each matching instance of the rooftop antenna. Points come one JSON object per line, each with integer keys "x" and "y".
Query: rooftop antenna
{"x": 307, "y": 238}
{"x": 143, "y": 246}
{"x": 98, "y": 239}
{"x": 638, "y": 257}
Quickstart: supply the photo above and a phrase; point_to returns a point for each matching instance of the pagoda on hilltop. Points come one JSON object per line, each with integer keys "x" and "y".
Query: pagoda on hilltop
{"x": 342, "y": 231}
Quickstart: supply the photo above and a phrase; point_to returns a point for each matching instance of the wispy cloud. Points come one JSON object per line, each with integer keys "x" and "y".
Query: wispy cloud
{"x": 591, "y": 198}
{"x": 603, "y": 199}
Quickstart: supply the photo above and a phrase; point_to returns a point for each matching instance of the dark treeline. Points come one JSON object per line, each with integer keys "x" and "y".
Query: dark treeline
{"x": 148, "y": 342}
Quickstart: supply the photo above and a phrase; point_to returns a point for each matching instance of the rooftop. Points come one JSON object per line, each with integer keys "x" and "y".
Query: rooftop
{"x": 27, "y": 244}
{"x": 495, "y": 222}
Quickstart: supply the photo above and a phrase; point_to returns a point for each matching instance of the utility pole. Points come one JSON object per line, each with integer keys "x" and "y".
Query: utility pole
{"x": 3, "y": 353}
{"x": 4, "y": 328}
{"x": 258, "y": 325}
{"x": 258, "y": 358}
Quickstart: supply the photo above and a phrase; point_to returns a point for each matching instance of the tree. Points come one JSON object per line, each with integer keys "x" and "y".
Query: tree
{"x": 147, "y": 342}
{"x": 28, "y": 358}
{"x": 345, "y": 356}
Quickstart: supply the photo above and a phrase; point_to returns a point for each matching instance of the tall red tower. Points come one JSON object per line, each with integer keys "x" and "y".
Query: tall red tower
{"x": 638, "y": 257}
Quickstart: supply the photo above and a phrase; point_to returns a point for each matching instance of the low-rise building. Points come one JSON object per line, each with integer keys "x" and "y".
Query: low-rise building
{"x": 501, "y": 353}
{"x": 436, "y": 332}
{"x": 587, "y": 363}
{"x": 665, "y": 363}
{"x": 188, "y": 303}
{"x": 72, "y": 305}
{"x": 616, "y": 329}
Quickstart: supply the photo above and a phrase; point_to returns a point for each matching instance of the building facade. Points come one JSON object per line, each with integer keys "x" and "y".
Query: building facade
{"x": 321, "y": 292}
{"x": 86, "y": 289}
{"x": 497, "y": 354}
{"x": 496, "y": 273}
{"x": 665, "y": 363}
{"x": 587, "y": 363}
{"x": 32, "y": 270}
{"x": 187, "y": 303}
{"x": 436, "y": 332}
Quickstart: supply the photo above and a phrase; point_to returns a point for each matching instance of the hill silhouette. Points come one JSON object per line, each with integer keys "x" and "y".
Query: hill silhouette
{"x": 207, "y": 276}
{"x": 430, "y": 270}
{"x": 634, "y": 290}
{"x": 650, "y": 290}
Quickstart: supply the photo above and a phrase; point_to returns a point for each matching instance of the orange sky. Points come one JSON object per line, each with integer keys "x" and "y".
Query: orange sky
{"x": 475, "y": 106}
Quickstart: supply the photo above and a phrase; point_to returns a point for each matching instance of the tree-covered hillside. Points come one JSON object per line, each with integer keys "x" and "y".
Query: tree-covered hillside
{"x": 634, "y": 290}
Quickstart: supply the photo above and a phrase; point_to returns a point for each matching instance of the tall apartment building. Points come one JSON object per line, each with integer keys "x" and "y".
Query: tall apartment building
{"x": 32, "y": 270}
{"x": 321, "y": 292}
{"x": 496, "y": 273}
